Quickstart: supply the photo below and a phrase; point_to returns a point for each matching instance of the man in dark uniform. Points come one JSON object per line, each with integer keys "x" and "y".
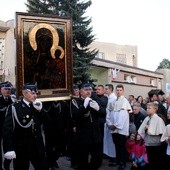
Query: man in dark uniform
{"x": 22, "y": 138}
{"x": 72, "y": 141}
{"x": 85, "y": 114}
{"x": 5, "y": 101}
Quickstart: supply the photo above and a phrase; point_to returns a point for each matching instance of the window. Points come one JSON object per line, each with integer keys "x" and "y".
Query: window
{"x": 159, "y": 84}
{"x": 100, "y": 55}
{"x": 130, "y": 79}
{"x": 152, "y": 82}
{"x": 127, "y": 78}
{"x": 133, "y": 79}
{"x": 121, "y": 58}
{"x": 2, "y": 50}
{"x": 134, "y": 60}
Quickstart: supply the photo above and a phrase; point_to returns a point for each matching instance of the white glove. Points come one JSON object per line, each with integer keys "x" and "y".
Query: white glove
{"x": 13, "y": 98}
{"x": 37, "y": 104}
{"x": 94, "y": 105}
{"x": 86, "y": 101}
{"x": 10, "y": 155}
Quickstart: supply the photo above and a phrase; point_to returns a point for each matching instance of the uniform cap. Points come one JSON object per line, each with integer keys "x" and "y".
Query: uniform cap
{"x": 85, "y": 86}
{"x": 6, "y": 84}
{"x": 75, "y": 86}
{"x": 31, "y": 87}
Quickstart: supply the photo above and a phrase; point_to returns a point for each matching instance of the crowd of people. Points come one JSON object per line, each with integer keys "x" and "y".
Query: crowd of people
{"x": 97, "y": 123}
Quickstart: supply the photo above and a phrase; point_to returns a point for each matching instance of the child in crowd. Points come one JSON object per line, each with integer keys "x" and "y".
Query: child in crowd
{"x": 151, "y": 130}
{"x": 139, "y": 156}
{"x": 130, "y": 143}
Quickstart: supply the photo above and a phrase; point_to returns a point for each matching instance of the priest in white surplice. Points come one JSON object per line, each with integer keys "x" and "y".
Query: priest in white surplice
{"x": 118, "y": 123}
{"x": 108, "y": 144}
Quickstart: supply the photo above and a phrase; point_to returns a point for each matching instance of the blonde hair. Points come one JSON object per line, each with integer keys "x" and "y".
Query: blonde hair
{"x": 153, "y": 104}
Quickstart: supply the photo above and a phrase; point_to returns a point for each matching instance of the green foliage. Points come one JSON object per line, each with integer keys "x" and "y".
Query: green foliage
{"x": 165, "y": 63}
{"x": 82, "y": 31}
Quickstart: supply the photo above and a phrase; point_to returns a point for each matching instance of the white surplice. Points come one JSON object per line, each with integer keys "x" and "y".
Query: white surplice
{"x": 108, "y": 144}
{"x": 119, "y": 115}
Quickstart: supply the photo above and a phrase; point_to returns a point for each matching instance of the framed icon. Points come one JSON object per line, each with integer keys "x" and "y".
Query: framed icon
{"x": 44, "y": 54}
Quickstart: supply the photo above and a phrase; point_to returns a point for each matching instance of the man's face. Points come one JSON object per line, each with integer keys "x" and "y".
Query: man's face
{"x": 76, "y": 92}
{"x": 100, "y": 91}
{"x": 29, "y": 96}
{"x": 155, "y": 97}
{"x": 85, "y": 93}
{"x": 107, "y": 90}
{"x": 131, "y": 98}
{"x": 136, "y": 109}
{"x": 5, "y": 91}
{"x": 161, "y": 98}
{"x": 119, "y": 92}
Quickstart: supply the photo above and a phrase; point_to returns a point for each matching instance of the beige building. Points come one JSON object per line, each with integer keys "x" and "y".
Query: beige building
{"x": 124, "y": 54}
{"x": 7, "y": 52}
{"x": 107, "y": 67}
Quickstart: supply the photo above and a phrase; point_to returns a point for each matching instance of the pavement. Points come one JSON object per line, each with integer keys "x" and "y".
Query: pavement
{"x": 64, "y": 164}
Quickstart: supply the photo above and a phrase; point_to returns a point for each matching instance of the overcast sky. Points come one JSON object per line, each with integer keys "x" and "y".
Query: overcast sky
{"x": 144, "y": 23}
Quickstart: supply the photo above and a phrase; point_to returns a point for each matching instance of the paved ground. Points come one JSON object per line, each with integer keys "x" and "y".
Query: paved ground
{"x": 64, "y": 164}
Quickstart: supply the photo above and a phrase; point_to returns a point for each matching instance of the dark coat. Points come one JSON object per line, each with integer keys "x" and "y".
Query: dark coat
{"x": 86, "y": 121}
{"x": 24, "y": 141}
{"x": 103, "y": 102}
{"x": 3, "y": 106}
{"x": 138, "y": 119}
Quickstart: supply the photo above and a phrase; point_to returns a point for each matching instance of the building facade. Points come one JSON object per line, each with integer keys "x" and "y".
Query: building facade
{"x": 124, "y": 54}
{"x": 109, "y": 68}
{"x": 7, "y": 52}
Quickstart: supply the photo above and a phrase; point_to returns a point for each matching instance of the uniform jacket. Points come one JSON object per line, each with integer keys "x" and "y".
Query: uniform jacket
{"x": 19, "y": 139}
{"x": 3, "y": 106}
{"x": 86, "y": 121}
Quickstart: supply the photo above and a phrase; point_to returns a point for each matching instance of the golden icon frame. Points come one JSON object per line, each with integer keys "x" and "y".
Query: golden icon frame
{"x": 52, "y": 84}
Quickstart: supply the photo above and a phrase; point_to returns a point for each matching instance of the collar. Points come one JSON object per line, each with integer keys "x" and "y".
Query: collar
{"x": 154, "y": 115}
{"x": 111, "y": 94}
{"x": 118, "y": 98}
{"x": 26, "y": 102}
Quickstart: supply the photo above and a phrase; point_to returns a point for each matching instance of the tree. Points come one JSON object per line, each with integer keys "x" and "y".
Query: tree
{"x": 165, "y": 63}
{"x": 82, "y": 31}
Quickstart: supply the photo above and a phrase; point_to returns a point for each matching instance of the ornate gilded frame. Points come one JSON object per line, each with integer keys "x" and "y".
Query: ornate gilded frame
{"x": 44, "y": 54}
